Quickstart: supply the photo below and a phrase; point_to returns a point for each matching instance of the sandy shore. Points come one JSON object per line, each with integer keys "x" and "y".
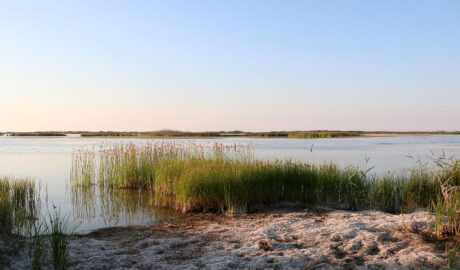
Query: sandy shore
{"x": 276, "y": 240}
{"x": 299, "y": 240}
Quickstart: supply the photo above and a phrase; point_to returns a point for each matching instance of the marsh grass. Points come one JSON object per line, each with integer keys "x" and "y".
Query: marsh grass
{"x": 193, "y": 177}
{"x": 49, "y": 242}
{"x": 19, "y": 205}
{"x": 446, "y": 206}
{"x": 22, "y": 224}
{"x": 19, "y": 211}
{"x": 37, "y": 247}
{"x": 452, "y": 251}
{"x": 58, "y": 239}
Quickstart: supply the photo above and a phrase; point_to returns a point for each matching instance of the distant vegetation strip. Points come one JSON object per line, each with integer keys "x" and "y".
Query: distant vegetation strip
{"x": 415, "y": 132}
{"x": 40, "y": 133}
{"x": 272, "y": 134}
{"x": 108, "y": 134}
{"x": 236, "y": 133}
{"x": 324, "y": 134}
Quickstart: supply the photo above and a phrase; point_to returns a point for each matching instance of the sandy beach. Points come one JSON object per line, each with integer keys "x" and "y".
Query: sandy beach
{"x": 308, "y": 239}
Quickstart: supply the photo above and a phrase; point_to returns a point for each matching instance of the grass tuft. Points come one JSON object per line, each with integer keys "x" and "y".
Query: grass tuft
{"x": 446, "y": 206}
{"x": 220, "y": 178}
{"x": 19, "y": 204}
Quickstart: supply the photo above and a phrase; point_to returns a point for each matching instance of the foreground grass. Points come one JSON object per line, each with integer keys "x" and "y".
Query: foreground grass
{"x": 19, "y": 205}
{"x": 22, "y": 226}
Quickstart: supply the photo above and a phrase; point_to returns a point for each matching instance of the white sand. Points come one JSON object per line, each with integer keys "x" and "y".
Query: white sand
{"x": 293, "y": 240}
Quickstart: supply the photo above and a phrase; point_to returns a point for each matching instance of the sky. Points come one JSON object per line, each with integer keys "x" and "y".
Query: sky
{"x": 229, "y": 65}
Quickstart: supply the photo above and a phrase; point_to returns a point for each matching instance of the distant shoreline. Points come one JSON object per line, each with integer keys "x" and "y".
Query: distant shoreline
{"x": 172, "y": 134}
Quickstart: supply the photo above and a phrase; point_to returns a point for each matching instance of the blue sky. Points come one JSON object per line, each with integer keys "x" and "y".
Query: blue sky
{"x": 224, "y": 65}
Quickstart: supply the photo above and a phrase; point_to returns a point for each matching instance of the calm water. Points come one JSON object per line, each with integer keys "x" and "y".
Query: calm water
{"x": 49, "y": 159}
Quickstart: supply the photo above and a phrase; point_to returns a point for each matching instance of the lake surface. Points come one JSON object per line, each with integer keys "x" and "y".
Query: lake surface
{"x": 48, "y": 159}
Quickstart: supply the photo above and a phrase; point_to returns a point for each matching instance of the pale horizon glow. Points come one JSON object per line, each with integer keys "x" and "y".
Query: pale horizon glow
{"x": 229, "y": 65}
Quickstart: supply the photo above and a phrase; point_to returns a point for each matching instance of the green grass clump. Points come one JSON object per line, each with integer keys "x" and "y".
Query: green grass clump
{"x": 19, "y": 211}
{"x": 21, "y": 224}
{"x": 49, "y": 243}
{"x": 38, "y": 246}
{"x": 19, "y": 205}
{"x": 191, "y": 177}
{"x": 59, "y": 240}
{"x": 446, "y": 207}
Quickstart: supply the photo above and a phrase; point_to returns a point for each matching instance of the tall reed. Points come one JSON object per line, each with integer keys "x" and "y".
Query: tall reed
{"x": 22, "y": 224}
{"x": 19, "y": 205}
{"x": 446, "y": 207}
{"x": 193, "y": 177}
{"x": 59, "y": 240}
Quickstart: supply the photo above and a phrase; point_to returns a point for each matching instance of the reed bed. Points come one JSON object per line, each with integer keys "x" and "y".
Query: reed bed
{"x": 23, "y": 226}
{"x": 229, "y": 178}
{"x": 446, "y": 208}
{"x": 219, "y": 178}
{"x": 19, "y": 205}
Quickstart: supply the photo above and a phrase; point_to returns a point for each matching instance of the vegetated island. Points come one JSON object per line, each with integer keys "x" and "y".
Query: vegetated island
{"x": 37, "y": 133}
{"x": 268, "y": 134}
{"x": 236, "y": 133}
{"x": 167, "y": 133}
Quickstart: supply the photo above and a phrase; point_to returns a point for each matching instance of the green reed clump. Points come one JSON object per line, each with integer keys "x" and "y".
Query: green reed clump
{"x": 446, "y": 206}
{"x": 19, "y": 205}
{"x": 48, "y": 243}
{"x": 21, "y": 224}
{"x": 38, "y": 246}
{"x": 452, "y": 251}
{"x": 83, "y": 167}
{"x": 192, "y": 177}
{"x": 59, "y": 240}
{"x": 19, "y": 210}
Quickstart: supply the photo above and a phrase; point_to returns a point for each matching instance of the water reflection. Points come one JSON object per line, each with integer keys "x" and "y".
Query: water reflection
{"x": 115, "y": 206}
